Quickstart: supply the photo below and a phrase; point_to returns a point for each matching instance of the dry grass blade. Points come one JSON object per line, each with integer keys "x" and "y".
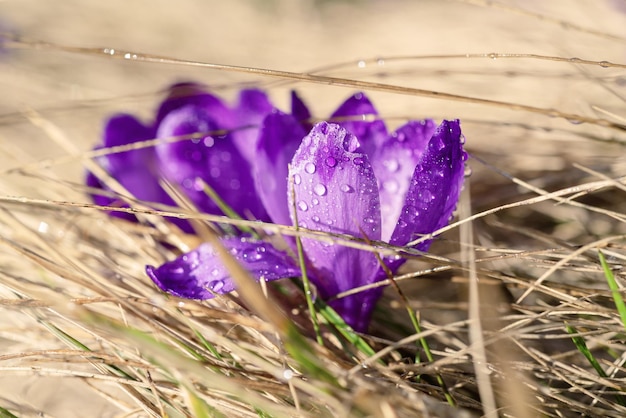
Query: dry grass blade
{"x": 521, "y": 316}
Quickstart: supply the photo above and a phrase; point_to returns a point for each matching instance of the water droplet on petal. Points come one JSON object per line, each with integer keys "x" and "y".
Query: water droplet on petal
{"x": 215, "y": 172}
{"x": 391, "y": 165}
{"x": 217, "y": 285}
{"x": 319, "y": 189}
{"x": 177, "y": 270}
{"x": 346, "y": 188}
{"x": 208, "y": 141}
{"x": 303, "y": 206}
{"x": 331, "y": 161}
{"x": 358, "y": 161}
{"x": 468, "y": 171}
{"x": 402, "y": 224}
{"x": 310, "y": 168}
{"x": 297, "y": 179}
{"x": 426, "y": 195}
{"x": 215, "y": 272}
{"x": 253, "y": 254}
{"x": 411, "y": 212}
{"x": 315, "y": 202}
{"x": 391, "y": 186}
{"x": 316, "y": 218}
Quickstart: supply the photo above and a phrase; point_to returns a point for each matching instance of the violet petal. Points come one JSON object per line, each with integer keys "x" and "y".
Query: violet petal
{"x": 370, "y": 134}
{"x": 435, "y": 187}
{"x": 185, "y": 94}
{"x": 200, "y": 274}
{"x": 252, "y": 108}
{"x": 394, "y": 163}
{"x": 215, "y": 160}
{"x": 336, "y": 191}
{"x": 300, "y": 111}
{"x": 132, "y": 169}
{"x": 279, "y": 138}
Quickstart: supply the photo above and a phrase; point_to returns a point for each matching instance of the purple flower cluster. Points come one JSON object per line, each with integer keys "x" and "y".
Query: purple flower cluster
{"x": 350, "y": 177}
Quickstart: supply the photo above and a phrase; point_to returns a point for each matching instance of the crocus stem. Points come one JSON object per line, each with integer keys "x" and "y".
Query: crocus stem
{"x": 305, "y": 276}
{"x": 416, "y": 325}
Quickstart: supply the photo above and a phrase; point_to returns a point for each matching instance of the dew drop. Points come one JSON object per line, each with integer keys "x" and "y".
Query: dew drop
{"x": 411, "y": 212}
{"x": 468, "y": 171}
{"x": 361, "y": 64}
{"x": 604, "y": 64}
{"x": 303, "y": 206}
{"x": 316, "y": 218}
{"x": 358, "y": 161}
{"x": 464, "y": 156}
{"x": 253, "y": 254}
{"x": 198, "y": 184}
{"x": 208, "y": 141}
{"x": 215, "y": 272}
{"x": 320, "y": 189}
{"x": 331, "y": 161}
{"x": 402, "y": 224}
{"x": 235, "y": 184}
{"x": 315, "y": 202}
{"x": 215, "y": 172}
{"x": 177, "y": 270}
{"x": 426, "y": 196}
{"x": 391, "y": 165}
{"x": 297, "y": 179}
{"x": 310, "y": 168}
{"x": 217, "y": 285}
{"x": 346, "y": 188}
{"x": 391, "y": 186}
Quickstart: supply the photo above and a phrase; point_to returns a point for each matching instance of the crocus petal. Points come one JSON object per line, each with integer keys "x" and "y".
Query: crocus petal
{"x": 371, "y": 133}
{"x": 435, "y": 186}
{"x": 279, "y": 138}
{"x": 193, "y": 94}
{"x": 200, "y": 274}
{"x": 252, "y": 108}
{"x": 300, "y": 111}
{"x": 394, "y": 163}
{"x": 213, "y": 160}
{"x": 335, "y": 191}
{"x": 132, "y": 169}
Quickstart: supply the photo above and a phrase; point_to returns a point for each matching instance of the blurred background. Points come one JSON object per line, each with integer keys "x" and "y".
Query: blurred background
{"x": 53, "y": 102}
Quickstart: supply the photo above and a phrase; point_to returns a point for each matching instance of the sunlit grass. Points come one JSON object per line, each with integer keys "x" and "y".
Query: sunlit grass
{"x": 546, "y": 197}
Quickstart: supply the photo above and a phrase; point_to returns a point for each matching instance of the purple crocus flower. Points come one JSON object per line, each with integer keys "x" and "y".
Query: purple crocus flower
{"x": 221, "y": 159}
{"x": 351, "y": 178}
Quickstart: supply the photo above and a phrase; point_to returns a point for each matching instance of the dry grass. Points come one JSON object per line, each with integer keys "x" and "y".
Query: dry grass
{"x": 511, "y": 299}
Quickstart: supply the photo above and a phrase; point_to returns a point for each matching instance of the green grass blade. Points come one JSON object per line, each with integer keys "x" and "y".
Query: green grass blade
{"x": 4, "y": 413}
{"x": 581, "y": 345}
{"x": 615, "y": 290}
